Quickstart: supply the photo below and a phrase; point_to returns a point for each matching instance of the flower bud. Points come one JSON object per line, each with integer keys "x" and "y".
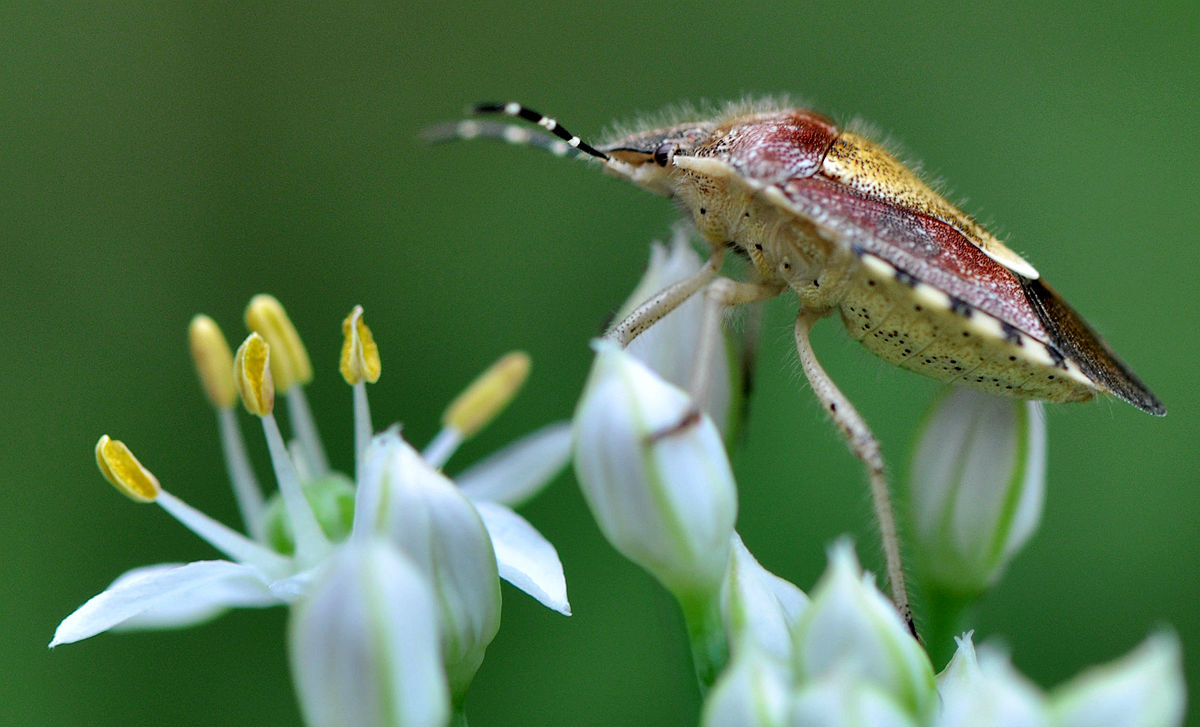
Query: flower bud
{"x": 655, "y": 474}
{"x": 1143, "y": 689}
{"x": 363, "y": 643}
{"x": 851, "y": 629}
{"x": 439, "y": 530}
{"x": 840, "y": 699}
{"x": 752, "y": 692}
{"x": 759, "y": 606}
{"x": 978, "y": 483}
{"x": 986, "y": 691}
{"x": 670, "y": 346}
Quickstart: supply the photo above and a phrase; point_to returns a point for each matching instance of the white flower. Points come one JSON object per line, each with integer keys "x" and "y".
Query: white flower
{"x": 506, "y": 479}
{"x": 978, "y": 483}
{"x": 754, "y": 691}
{"x": 432, "y": 523}
{"x": 842, "y": 698}
{"x": 670, "y": 346}
{"x": 985, "y": 691}
{"x": 851, "y": 630}
{"x": 758, "y": 606}
{"x": 173, "y": 595}
{"x": 655, "y": 475}
{"x": 437, "y": 543}
{"x": 364, "y": 643}
{"x": 1143, "y": 689}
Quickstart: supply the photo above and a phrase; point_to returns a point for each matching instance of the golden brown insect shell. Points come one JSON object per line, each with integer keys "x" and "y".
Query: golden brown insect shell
{"x": 867, "y": 168}
{"x": 832, "y": 215}
{"x": 916, "y": 325}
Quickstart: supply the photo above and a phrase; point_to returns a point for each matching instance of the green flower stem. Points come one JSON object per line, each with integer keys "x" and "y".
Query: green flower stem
{"x": 459, "y": 718}
{"x": 706, "y": 632}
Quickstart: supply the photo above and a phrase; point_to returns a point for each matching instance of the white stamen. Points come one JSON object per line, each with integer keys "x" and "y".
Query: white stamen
{"x": 443, "y": 445}
{"x": 311, "y": 543}
{"x": 230, "y": 542}
{"x": 245, "y": 485}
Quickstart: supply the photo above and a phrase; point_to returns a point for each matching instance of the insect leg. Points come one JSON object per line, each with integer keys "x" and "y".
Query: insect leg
{"x": 866, "y": 448}
{"x": 720, "y": 294}
{"x": 665, "y": 301}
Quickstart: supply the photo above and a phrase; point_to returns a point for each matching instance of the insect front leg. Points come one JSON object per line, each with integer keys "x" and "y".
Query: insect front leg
{"x": 864, "y": 445}
{"x": 665, "y": 301}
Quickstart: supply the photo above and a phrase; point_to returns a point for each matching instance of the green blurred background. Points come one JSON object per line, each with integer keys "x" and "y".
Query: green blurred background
{"x": 161, "y": 159}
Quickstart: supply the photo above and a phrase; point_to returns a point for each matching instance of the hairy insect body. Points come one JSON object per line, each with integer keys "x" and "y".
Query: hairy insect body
{"x": 777, "y": 188}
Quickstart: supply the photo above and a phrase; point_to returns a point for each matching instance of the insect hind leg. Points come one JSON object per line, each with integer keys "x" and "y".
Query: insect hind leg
{"x": 864, "y": 445}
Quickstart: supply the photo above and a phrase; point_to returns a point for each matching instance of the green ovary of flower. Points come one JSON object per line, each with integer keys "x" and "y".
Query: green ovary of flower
{"x": 331, "y": 498}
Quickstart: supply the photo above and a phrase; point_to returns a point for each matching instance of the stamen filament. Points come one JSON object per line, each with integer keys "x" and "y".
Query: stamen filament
{"x": 445, "y": 444}
{"x": 362, "y": 425}
{"x": 225, "y": 539}
{"x": 305, "y": 428}
{"x": 369, "y": 483}
{"x": 245, "y": 485}
{"x": 311, "y": 543}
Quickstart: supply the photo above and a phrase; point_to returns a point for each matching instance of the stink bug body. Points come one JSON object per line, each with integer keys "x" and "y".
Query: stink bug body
{"x": 839, "y": 221}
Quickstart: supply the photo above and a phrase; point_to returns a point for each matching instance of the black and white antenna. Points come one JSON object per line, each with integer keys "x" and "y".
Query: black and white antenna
{"x": 564, "y": 144}
{"x": 517, "y": 111}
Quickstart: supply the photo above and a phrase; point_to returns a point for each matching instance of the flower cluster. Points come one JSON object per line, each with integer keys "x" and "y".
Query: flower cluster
{"x": 654, "y": 472}
{"x": 392, "y": 577}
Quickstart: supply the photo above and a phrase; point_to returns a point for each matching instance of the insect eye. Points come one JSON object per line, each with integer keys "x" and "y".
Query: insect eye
{"x": 662, "y": 155}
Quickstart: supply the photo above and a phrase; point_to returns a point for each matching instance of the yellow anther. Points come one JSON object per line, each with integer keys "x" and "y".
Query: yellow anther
{"x": 122, "y": 469}
{"x": 487, "y": 395}
{"x": 214, "y": 361}
{"x": 252, "y": 372}
{"x": 289, "y": 359}
{"x": 360, "y": 355}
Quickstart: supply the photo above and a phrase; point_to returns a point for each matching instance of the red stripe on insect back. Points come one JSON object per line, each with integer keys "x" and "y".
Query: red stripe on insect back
{"x": 925, "y": 248}
{"x": 777, "y": 148}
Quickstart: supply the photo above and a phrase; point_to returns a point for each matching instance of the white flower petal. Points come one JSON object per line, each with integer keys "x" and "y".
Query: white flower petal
{"x": 161, "y": 591}
{"x": 753, "y": 691}
{"x": 977, "y": 487}
{"x": 202, "y": 604}
{"x": 759, "y": 605}
{"x": 525, "y": 558}
{"x": 669, "y": 347}
{"x": 985, "y": 691}
{"x": 293, "y": 587}
{"x": 840, "y": 699}
{"x": 438, "y": 528}
{"x": 1145, "y": 688}
{"x": 520, "y": 470}
{"x": 851, "y": 629}
{"x": 364, "y": 643}
{"x": 654, "y": 474}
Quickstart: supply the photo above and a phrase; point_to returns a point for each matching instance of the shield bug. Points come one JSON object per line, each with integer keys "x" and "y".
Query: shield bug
{"x": 850, "y": 230}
